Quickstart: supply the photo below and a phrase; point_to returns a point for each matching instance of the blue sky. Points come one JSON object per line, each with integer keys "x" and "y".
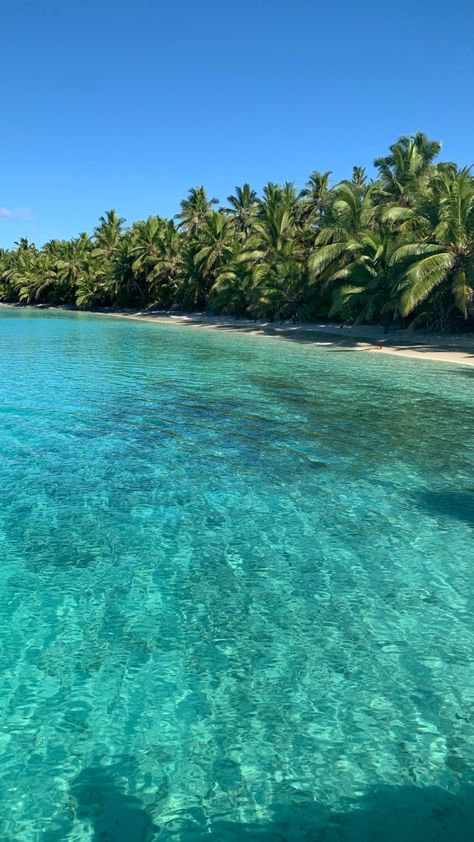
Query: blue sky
{"x": 128, "y": 104}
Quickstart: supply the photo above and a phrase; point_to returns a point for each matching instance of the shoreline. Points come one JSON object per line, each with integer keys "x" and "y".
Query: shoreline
{"x": 450, "y": 348}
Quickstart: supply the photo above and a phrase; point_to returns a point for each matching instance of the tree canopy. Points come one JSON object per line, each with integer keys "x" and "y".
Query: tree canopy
{"x": 397, "y": 248}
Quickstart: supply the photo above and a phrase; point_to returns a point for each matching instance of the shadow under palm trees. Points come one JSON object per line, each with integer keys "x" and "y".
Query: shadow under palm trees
{"x": 456, "y": 504}
{"x": 387, "y": 814}
{"x": 113, "y": 815}
{"x": 383, "y": 814}
{"x": 332, "y": 339}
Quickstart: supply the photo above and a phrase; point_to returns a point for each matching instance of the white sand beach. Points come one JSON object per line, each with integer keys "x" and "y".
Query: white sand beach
{"x": 450, "y": 348}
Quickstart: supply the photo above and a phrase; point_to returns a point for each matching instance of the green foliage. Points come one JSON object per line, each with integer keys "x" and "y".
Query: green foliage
{"x": 399, "y": 248}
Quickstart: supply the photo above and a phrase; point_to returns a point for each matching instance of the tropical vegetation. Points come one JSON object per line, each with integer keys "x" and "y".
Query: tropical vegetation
{"x": 397, "y": 248}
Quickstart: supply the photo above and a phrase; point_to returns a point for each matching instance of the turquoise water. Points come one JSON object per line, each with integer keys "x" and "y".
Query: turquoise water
{"x": 237, "y": 587}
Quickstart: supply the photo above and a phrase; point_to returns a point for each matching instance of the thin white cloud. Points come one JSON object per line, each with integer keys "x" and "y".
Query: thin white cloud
{"x": 15, "y": 213}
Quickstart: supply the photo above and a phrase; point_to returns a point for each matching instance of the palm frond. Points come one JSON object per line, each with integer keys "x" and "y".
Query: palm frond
{"x": 423, "y": 277}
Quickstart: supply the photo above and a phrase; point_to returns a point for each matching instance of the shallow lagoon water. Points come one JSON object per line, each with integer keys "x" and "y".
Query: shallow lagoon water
{"x": 237, "y": 587}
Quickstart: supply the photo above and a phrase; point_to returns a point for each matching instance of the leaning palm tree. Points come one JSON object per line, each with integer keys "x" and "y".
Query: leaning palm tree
{"x": 446, "y": 261}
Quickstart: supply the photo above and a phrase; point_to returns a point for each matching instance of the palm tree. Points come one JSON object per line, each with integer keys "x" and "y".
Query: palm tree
{"x": 108, "y": 250}
{"x": 275, "y": 256}
{"x": 445, "y": 263}
{"x": 232, "y": 290}
{"x": 194, "y": 210}
{"x": 192, "y": 287}
{"x": 215, "y": 244}
{"x": 73, "y": 263}
{"x": 17, "y": 267}
{"x": 91, "y": 290}
{"x": 23, "y": 245}
{"x": 124, "y": 285}
{"x": 314, "y": 197}
{"x": 409, "y": 162}
{"x": 39, "y": 282}
{"x": 157, "y": 249}
{"x": 359, "y": 177}
{"x": 277, "y": 196}
{"x": 107, "y": 235}
{"x": 401, "y": 246}
{"x": 147, "y": 245}
{"x": 366, "y": 288}
{"x": 243, "y": 208}
{"x": 164, "y": 276}
{"x": 350, "y": 211}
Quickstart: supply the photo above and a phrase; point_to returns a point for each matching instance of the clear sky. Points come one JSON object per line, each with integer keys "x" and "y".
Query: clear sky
{"x": 124, "y": 104}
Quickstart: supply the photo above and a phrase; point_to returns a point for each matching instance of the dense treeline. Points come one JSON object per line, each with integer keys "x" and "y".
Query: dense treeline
{"x": 397, "y": 249}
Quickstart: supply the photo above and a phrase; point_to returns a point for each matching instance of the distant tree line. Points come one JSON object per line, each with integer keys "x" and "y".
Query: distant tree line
{"x": 397, "y": 249}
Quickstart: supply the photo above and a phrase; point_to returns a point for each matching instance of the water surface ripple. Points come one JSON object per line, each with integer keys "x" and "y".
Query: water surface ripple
{"x": 237, "y": 587}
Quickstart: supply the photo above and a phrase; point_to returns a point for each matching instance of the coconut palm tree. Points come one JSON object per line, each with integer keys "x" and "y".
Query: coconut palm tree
{"x": 146, "y": 245}
{"x": 243, "y": 209}
{"x": 17, "y": 266}
{"x": 445, "y": 263}
{"x": 275, "y": 256}
{"x": 73, "y": 263}
{"x": 194, "y": 210}
{"x": 399, "y": 246}
{"x": 107, "y": 235}
{"x": 276, "y": 196}
{"x": 409, "y": 162}
{"x": 232, "y": 290}
{"x": 192, "y": 286}
{"x": 39, "y": 282}
{"x": 215, "y": 244}
{"x": 314, "y": 197}
{"x": 350, "y": 212}
{"x": 169, "y": 266}
{"x": 91, "y": 288}
{"x": 366, "y": 287}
